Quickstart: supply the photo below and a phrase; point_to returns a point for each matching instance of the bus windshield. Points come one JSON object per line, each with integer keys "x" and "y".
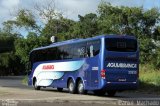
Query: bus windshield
{"x": 121, "y": 44}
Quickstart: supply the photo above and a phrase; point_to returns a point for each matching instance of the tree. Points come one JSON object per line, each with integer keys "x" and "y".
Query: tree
{"x": 131, "y": 21}
{"x": 61, "y": 28}
{"x": 6, "y": 43}
{"x": 9, "y": 62}
{"x": 24, "y": 46}
{"x": 86, "y": 26}
{"x": 25, "y": 19}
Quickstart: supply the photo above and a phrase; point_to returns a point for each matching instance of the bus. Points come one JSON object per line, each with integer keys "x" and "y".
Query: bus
{"x": 102, "y": 64}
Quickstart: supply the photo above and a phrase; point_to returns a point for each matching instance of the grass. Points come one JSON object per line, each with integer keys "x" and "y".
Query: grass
{"x": 25, "y": 79}
{"x": 149, "y": 79}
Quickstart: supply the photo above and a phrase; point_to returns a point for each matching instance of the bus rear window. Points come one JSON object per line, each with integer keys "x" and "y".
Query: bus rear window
{"x": 121, "y": 44}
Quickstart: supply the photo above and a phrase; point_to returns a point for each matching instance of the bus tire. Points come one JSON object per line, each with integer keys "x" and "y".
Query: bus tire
{"x": 36, "y": 87}
{"x": 71, "y": 87}
{"x": 80, "y": 87}
{"x": 60, "y": 89}
{"x": 111, "y": 93}
{"x": 99, "y": 92}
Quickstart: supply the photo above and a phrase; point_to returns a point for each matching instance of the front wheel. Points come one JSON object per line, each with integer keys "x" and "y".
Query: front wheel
{"x": 36, "y": 87}
{"x": 71, "y": 86}
{"x": 81, "y": 88}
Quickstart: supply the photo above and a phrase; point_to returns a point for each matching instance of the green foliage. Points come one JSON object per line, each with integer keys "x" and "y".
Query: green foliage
{"x": 6, "y": 43}
{"x": 9, "y": 62}
{"x": 58, "y": 27}
{"x": 25, "y": 80}
{"x": 25, "y": 19}
{"x": 131, "y": 21}
{"x": 149, "y": 78}
{"x": 125, "y": 20}
{"x": 24, "y": 46}
{"x": 146, "y": 47}
{"x": 87, "y": 25}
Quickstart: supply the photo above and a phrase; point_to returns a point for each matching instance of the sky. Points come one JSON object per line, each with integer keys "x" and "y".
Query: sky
{"x": 70, "y": 8}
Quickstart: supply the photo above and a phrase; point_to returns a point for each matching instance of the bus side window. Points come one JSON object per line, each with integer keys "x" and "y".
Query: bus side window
{"x": 82, "y": 51}
{"x": 93, "y": 48}
{"x": 91, "y": 51}
{"x": 67, "y": 52}
{"x": 75, "y": 52}
{"x": 60, "y": 53}
{"x": 36, "y": 56}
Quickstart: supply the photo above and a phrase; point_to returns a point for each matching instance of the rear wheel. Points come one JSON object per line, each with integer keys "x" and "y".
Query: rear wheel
{"x": 36, "y": 87}
{"x": 71, "y": 86}
{"x": 81, "y": 88}
{"x": 60, "y": 89}
{"x": 111, "y": 93}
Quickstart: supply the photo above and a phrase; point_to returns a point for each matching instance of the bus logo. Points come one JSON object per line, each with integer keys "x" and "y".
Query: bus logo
{"x": 122, "y": 65}
{"x": 48, "y": 67}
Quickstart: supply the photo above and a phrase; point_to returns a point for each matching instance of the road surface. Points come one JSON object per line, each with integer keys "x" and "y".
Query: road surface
{"x": 14, "y": 93}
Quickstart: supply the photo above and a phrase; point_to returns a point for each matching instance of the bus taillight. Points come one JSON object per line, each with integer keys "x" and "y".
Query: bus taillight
{"x": 103, "y": 74}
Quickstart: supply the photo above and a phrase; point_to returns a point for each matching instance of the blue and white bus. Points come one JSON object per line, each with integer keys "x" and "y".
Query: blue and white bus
{"x": 106, "y": 63}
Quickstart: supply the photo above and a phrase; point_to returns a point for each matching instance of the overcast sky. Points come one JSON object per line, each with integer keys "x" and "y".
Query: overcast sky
{"x": 71, "y": 8}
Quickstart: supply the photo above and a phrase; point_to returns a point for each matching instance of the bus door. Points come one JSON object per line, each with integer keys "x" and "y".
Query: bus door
{"x": 121, "y": 60}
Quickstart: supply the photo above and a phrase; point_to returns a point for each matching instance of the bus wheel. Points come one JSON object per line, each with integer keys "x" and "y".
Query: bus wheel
{"x": 81, "y": 88}
{"x": 111, "y": 93}
{"x": 99, "y": 92}
{"x": 60, "y": 89}
{"x": 36, "y": 87}
{"x": 71, "y": 87}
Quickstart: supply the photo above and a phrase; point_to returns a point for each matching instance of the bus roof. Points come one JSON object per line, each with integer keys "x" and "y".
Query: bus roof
{"x": 82, "y": 40}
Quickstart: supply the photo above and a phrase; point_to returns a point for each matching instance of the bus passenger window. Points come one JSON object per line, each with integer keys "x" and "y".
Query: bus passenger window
{"x": 91, "y": 51}
{"x": 93, "y": 48}
{"x": 81, "y": 52}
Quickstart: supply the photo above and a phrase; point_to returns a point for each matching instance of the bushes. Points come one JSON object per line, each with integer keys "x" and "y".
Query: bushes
{"x": 149, "y": 78}
{"x": 25, "y": 80}
{"x": 149, "y": 75}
